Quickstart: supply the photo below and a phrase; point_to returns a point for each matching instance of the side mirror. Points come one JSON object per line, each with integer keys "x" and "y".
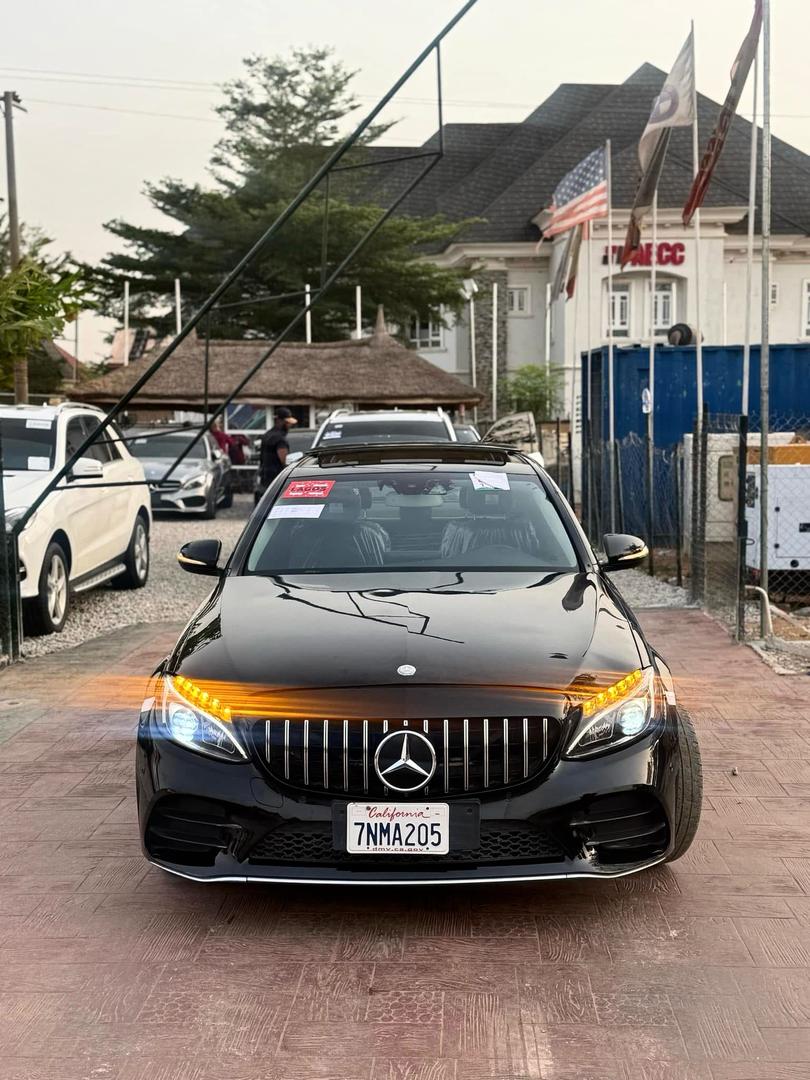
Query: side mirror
{"x": 622, "y": 551}
{"x": 296, "y": 455}
{"x": 201, "y": 557}
{"x": 87, "y": 468}
{"x": 216, "y": 453}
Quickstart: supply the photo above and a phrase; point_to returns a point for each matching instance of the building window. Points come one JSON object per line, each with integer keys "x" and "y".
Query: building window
{"x": 620, "y": 310}
{"x": 425, "y": 333}
{"x": 774, "y": 293}
{"x": 664, "y": 309}
{"x": 519, "y": 300}
{"x": 806, "y": 309}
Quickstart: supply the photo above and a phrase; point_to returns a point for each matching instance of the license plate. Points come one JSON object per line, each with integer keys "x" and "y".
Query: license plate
{"x": 398, "y": 828}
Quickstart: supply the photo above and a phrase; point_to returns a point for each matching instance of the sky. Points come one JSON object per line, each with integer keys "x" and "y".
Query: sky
{"x": 118, "y": 95}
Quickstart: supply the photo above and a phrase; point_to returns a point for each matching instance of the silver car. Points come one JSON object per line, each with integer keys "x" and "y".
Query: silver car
{"x": 200, "y": 484}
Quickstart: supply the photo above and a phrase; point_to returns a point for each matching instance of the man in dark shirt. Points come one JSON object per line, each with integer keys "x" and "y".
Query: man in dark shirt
{"x": 274, "y": 449}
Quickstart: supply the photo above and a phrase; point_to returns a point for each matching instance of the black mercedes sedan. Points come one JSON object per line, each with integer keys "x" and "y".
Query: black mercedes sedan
{"x": 414, "y": 669}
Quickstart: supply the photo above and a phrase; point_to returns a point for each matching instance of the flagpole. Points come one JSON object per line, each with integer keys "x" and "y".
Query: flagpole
{"x": 749, "y": 270}
{"x": 651, "y": 413}
{"x": 611, "y": 409}
{"x": 764, "y": 361}
{"x": 695, "y": 168}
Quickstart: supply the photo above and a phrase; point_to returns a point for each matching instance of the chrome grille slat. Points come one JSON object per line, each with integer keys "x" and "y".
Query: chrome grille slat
{"x": 345, "y": 755}
{"x": 446, "y": 756}
{"x": 365, "y": 757}
{"x": 486, "y": 752}
{"x": 326, "y": 754}
{"x": 474, "y": 754}
{"x": 466, "y": 754}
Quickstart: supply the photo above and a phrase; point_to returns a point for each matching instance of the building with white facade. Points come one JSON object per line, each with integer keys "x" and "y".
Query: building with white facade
{"x": 503, "y": 175}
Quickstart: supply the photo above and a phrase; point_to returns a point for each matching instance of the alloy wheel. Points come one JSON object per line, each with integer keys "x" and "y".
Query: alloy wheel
{"x": 141, "y": 550}
{"x": 56, "y": 585}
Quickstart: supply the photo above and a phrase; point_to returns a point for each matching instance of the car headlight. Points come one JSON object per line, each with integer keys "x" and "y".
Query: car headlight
{"x": 200, "y": 480}
{"x": 614, "y": 716}
{"x": 194, "y": 719}
{"x": 14, "y": 514}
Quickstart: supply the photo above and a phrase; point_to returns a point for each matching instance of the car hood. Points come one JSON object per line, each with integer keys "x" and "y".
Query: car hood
{"x": 464, "y": 628}
{"x": 21, "y": 488}
{"x": 156, "y": 468}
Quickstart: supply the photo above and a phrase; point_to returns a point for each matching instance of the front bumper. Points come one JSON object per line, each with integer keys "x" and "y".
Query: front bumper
{"x": 210, "y": 821}
{"x": 179, "y": 500}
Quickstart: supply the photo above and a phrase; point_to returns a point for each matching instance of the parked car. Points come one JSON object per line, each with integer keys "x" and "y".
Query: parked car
{"x": 467, "y": 433}
{"x": 414, "y": 669}
{"x": 83, "y": 534}
{"x": 392, "y": 425}
{"x": 200, "y": 484}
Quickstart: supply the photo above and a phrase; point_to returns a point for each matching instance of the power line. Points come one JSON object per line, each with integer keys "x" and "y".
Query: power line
{"x": 131, "y": 112}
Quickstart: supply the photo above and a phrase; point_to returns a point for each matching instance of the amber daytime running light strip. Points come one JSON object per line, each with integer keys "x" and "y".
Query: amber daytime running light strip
{"x": 268, "y": 702}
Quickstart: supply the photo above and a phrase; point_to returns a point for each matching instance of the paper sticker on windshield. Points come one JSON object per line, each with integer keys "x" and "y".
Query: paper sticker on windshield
{"x": 39, "y": 425}
{"x": 311, "y": 510}
{"x": 39, "y": 464}
{"x": 332, "y": 434}
{"x": 486, "y": 481}
{"x": 308, "y": 489}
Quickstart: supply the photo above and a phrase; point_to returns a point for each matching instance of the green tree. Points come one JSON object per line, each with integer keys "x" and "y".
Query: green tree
{"x": 35, "y": 305}
{"x": 536, "y": 389}
{"x": 282, "y": 119}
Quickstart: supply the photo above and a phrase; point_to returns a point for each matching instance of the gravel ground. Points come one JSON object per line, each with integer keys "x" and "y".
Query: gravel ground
{"x": 169, "y": 595}
{"x": 172, "y": 595}
{"x": 642, "y": 591}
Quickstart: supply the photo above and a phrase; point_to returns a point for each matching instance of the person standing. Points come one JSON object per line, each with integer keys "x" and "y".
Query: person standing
{"x": 274, "y": 449}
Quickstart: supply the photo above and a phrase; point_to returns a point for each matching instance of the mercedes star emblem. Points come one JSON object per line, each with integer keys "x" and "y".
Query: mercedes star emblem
{"x": 405, "y": 760}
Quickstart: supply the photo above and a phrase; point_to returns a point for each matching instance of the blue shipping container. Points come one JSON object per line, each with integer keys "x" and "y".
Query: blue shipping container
{"x": 676, "y": 385}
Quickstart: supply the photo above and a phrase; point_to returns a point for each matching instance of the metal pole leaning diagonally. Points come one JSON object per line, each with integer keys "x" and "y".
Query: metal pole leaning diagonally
{"x": 246, "y": 261}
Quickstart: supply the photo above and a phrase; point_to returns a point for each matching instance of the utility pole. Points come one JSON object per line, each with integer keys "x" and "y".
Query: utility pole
{"x": 21, "y": 363}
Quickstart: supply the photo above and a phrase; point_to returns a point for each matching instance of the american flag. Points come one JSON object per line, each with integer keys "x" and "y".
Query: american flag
{"x": 580, "y": 196}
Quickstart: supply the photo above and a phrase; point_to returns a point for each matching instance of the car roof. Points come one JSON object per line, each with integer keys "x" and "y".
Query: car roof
{"x": 388, "y": 414}
{"x": 48, "y": 411}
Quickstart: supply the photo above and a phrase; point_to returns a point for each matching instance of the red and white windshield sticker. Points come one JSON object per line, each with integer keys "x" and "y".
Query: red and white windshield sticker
{"x": 308, "y": 489}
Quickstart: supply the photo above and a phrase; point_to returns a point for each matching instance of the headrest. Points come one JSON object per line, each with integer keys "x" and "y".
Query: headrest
{"x": 486, "y": 503}
{"x": 347, "y": 501}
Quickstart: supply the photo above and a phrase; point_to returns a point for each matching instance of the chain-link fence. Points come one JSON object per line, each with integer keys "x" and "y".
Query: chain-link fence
{"x": 698, "y": 505}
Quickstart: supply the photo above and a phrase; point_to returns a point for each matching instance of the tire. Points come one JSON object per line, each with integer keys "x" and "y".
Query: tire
{"x": 688, "y": 787}
{"x": 136, "y": 559}
{"x": 227, "y": 498}
{"x": 210, "y": 511}
{"x": 48, "y": 612}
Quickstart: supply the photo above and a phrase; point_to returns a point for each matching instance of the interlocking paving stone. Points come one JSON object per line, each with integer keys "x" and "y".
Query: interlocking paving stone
{"x": 112, "y": 969}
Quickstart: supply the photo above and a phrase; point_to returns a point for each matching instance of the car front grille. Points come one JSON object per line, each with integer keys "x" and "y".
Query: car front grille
{"x": 311, "y": 844}
{"x": 473, "y": 754}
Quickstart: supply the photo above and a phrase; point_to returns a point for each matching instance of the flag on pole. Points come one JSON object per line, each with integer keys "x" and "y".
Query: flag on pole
{"x": 565, "y": 277}
{"x": 739, "y": 75}
{"x": 580, "y": 196}
{"x": 674, "y": 107}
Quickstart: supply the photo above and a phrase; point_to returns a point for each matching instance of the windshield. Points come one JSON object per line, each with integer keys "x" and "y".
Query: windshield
{"x": 494, "y": 519}
{"x": 166, "y": 446}
{"x": 384, "y": 431}
{"x": 28, "y": 444}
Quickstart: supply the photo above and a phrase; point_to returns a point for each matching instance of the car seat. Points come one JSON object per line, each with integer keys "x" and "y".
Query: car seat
{"x": 495, "y": 520}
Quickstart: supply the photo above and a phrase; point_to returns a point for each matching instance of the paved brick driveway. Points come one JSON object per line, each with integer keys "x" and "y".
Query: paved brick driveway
{"x": 113, "y": 970}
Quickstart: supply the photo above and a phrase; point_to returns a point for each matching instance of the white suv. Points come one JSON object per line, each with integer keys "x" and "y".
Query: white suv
{"x": 83, "y": 534}
{"x": 390, "y": 426}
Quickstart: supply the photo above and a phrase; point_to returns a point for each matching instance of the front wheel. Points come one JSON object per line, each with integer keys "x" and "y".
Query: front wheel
{"x": 227, "y": 497}
{"x": 688, "y": 787}
{"x": 47, "y": 613}
{"x": 210, "y": 509}
{"x": 136, "y": 559}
